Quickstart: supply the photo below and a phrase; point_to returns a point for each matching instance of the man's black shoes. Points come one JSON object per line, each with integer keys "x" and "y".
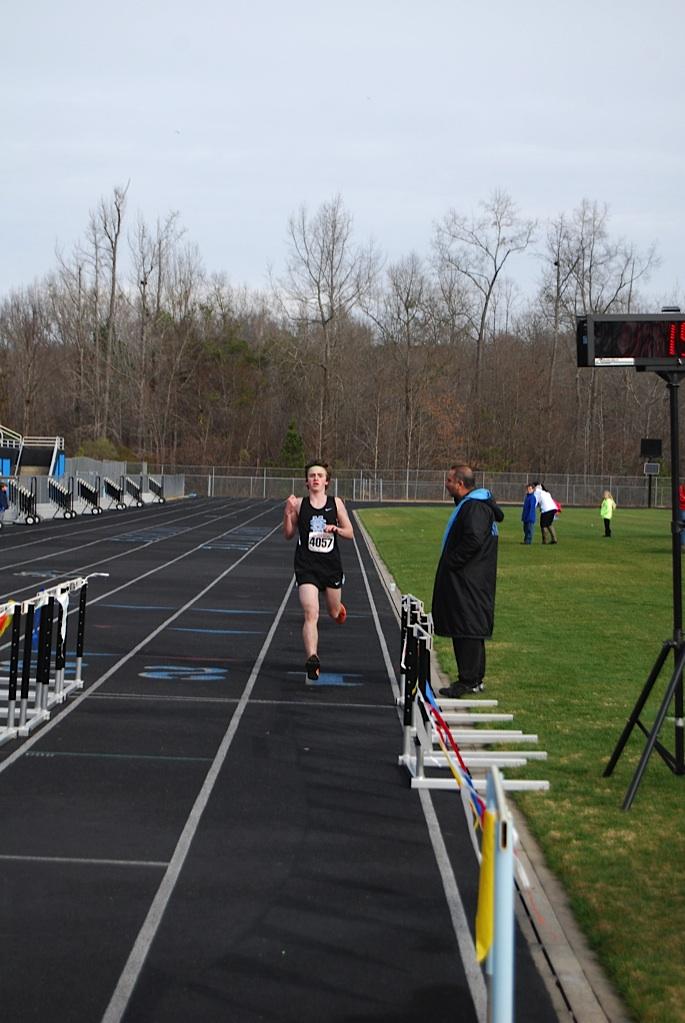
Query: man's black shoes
{"x": 457, "y": 689}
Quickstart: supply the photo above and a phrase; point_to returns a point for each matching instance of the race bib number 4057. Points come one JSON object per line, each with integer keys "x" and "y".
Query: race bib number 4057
{"x": 321, "y": 543}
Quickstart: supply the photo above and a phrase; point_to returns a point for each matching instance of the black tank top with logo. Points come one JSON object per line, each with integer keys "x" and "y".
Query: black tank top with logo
{"x": 315, "y": 548}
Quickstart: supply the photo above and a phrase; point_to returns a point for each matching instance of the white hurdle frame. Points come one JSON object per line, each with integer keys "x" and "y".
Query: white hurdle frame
{"x": 419, "y": 746}
{"x": 26, "y": 699}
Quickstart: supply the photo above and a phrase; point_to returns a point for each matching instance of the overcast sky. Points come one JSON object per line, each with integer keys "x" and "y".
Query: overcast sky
{"x": 236, "y": 112}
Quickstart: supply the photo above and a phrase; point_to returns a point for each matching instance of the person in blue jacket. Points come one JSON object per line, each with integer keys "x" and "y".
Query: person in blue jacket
{"x": 528, "y": 514}
{"x": 463, "y": 605}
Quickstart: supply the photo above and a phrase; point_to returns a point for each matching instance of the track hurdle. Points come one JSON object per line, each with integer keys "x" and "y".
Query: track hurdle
{"x": 27, "y": 695}
{"x": 427, "y": 721}
{"x": 134, "y": 490}
{"x": 157, "y": 488}
{"x": 24, "y": 500}
{"x": 114, "y": 493}
{"x": 460, "y": 736}
{"x": 90, "y": 495}
{"x": 62, "y": 497}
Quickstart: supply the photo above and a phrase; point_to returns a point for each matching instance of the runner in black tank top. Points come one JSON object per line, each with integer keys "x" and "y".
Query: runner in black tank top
{"x": 318, "y": 521}
{"x": 317, "y": 555}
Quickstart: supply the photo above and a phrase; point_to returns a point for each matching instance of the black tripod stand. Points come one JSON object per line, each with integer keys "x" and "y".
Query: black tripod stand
{"x": 674, "y": 691}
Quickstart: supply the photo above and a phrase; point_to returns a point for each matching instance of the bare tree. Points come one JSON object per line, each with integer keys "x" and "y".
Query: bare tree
{"x": 476, "y": 249}
{"x": 24, "y": 333}
{"x": 151, "y": 255}
{"x": 326, "y": 278}
{"x": 603, "y": 275}
{"x": 71, "y": 311}
{"x": 401, "y": 314}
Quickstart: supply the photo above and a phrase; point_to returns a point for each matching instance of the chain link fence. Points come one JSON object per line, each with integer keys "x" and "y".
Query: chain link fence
{"x": 424, "y": 485}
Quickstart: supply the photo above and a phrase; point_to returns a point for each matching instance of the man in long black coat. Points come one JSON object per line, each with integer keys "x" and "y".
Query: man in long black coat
{"x": 464, "y": 590}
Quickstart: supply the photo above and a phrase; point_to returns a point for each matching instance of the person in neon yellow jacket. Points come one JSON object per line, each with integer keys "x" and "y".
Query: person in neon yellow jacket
{"x": 606, "y": 510}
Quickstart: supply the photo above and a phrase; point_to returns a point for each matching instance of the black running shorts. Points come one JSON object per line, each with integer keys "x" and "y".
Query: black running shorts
{"x": 321, "y": 579}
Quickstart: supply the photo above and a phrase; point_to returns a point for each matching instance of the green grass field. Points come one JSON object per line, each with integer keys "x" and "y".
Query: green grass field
{"x": 578, "y": 627}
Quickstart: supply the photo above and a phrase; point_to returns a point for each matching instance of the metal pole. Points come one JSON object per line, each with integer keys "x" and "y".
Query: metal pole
{"x": 26, "y": 666}
{"x": 673, "y": 384}
{"x": 14, "y": 666}
{"x": 80, "y": 635}
{"x": 503, "y": 939}
{"x": 674, "y": 690}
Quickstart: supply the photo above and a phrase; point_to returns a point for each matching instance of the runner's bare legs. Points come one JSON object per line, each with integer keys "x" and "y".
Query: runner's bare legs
{"x": 333, "y": 601}
{"x": 309, "y": 601}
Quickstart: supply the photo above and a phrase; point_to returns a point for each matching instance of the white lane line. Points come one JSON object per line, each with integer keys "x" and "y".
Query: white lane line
{"x": 128, "y": 552}
{"x": 70, "y": 707}
{"x": 186, "y": 554}
{"x": 460, "y": 924}
{"x": 165, "y": 564}
{"x": 102, "y": 527}
{"x": 105, "y": 755}
{"x": 84, "y": 861}
{"x": 462, "y": 932}
{"x": 379, "y": 631}
{"x": 129, "y": 977}
{"x": 318, "y": 703}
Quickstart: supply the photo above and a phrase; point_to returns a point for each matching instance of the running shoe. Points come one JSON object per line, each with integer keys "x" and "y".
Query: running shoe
{"x": 312, "y": 668}
{"x": 342, "y": 614}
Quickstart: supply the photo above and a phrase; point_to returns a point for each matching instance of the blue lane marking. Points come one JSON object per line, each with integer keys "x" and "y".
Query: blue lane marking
{"x": 228, "y": 611}
{"x": 330, "y": 678}
{"x": 226, "y": 547}
{"x": 221, "y": 632}
{"x": 194, "y": 610}
{"x": 142, "y": 607}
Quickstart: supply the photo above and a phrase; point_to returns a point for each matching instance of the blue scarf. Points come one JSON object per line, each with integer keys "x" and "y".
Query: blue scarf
{"x": 473, "y": 495}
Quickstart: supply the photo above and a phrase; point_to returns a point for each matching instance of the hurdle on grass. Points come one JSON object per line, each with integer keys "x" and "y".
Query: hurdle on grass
{"x": 426, "y": 722}
{"x": 27, "y": 695}
{"x": 465, "y": 720}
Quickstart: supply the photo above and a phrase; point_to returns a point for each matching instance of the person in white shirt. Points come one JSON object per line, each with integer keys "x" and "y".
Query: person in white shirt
{"x": 548, "y": 511}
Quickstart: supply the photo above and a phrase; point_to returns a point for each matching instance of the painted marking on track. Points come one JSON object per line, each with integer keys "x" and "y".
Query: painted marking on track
{"x": 82, "y": 861}
{"x": 51, "y": 573}
{"x": 219, "y": 632}
{"x": 204, "y": 659}
{"x": 192, "y": 610}
{"x": 226, "y": 547}
{"x": 151, "y": 534}
{"x": 134, "y": 964}
{"x": 69, "y": 666}
{"x": 229, "y": 611}
{"x": 48, "y": 754}
{"x": 330, "y": 678}
{"x": 179, "y": 673}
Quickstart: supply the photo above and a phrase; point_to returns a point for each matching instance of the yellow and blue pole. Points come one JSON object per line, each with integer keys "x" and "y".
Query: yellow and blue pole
{"x": 500, "y": 962}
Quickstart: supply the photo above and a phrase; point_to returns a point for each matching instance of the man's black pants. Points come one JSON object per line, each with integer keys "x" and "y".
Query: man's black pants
{"x": 470, "y": 657}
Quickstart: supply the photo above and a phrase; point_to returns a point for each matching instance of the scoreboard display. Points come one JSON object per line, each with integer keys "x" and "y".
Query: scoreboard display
{"x": 655, "y": 341}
